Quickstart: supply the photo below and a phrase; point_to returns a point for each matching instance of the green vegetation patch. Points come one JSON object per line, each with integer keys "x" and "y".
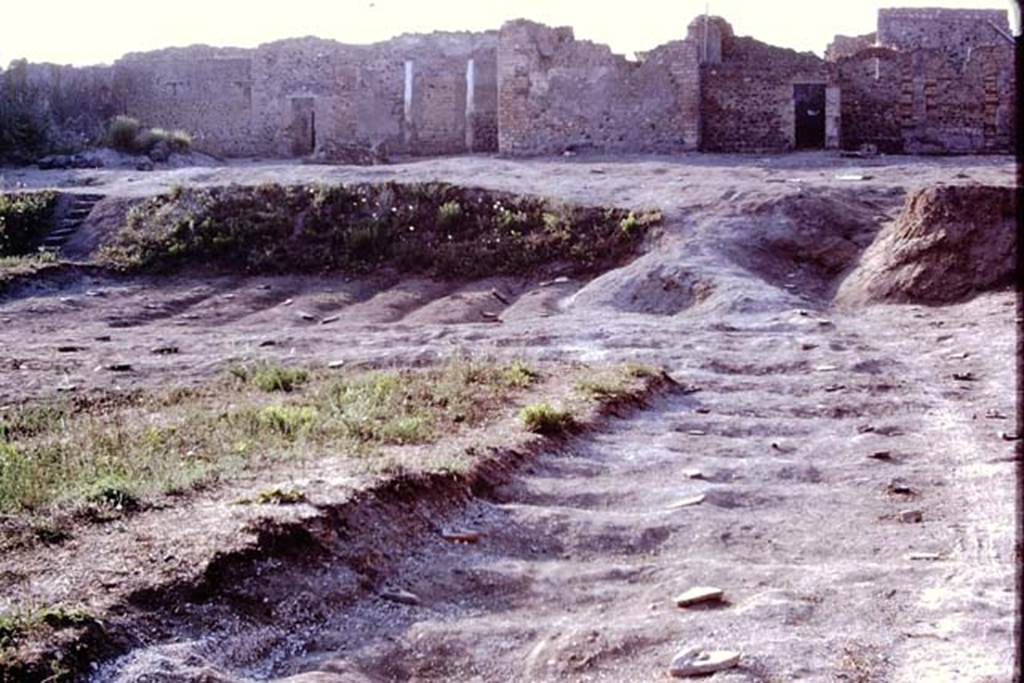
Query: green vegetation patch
{"x": 431, "y": 228}
{"x": 126, "y": 134}
{"x": 543, "y": 418}
{"x": 116, "y": 456}
{"x": 25, "y": 218}
{"x": 17, "y": 625}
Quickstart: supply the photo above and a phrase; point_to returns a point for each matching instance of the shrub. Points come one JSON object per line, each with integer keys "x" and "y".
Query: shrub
{"x": 122, "y": 133}
{"x": 267, "y": 376}
{"x": 126, "y": 134}
{"x": 449, "y": 216}
{"x": 24, "y": 218}
{"x": 26, "y": 125}
{"x": 542, "y": 418}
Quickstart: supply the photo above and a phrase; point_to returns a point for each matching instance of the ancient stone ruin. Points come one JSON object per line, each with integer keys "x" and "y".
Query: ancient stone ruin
{"x": 928, "y": 81}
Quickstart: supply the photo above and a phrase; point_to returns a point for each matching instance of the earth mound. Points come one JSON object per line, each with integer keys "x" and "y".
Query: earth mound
{"x": 948, "y": 244}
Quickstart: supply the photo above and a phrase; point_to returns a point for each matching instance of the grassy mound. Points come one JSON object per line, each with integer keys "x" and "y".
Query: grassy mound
{"x": 430, "y": 228}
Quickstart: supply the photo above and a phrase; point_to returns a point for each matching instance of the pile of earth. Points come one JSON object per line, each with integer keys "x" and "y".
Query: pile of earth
{"x": 948, "y": 244}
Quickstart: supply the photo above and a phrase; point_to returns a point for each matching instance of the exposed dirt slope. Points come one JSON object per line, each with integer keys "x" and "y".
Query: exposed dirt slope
{"x": 948, "y": 244}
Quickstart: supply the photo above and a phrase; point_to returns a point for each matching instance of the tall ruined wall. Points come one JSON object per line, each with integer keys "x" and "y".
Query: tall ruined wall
{"x": 70, "y": 104}
{"x": 955, "y": 32}
{"x": 296, "y": 97}
{"x": 925, "y": 102}
{"x": 205, "y": 91}
{"x": 747, "y": 99}
{"x": 557, "y": 93}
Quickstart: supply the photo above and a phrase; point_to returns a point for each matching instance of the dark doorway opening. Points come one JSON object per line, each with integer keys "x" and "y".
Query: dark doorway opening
{"x": 303, "y": 126}
{"x": 809, "y": 100}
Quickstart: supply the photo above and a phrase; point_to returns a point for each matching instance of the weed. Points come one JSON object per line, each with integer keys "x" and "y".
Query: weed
{"x": 518, "y": 375}
{"x": 279, "y": 496}
{"x": 112, "y": 490}
{"x": 267, "y": 376}
{"x": 542, "y": 418}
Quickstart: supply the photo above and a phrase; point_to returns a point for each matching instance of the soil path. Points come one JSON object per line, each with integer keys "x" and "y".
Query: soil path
{"x": 581, "y": 556}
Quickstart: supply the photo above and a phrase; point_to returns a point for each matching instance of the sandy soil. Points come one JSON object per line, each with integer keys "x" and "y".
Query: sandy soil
{"x": 575, "y": 575}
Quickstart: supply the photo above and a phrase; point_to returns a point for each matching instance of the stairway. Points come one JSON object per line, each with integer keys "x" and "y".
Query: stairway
{"x": 80, "y": 208}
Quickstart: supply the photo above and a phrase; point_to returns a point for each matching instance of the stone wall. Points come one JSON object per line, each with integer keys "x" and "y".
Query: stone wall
{"x": 310, "y": 96}
{"x": 847, "y": 46}
{"x": 955, "y": 32}
{"x": 747, "y": 98}
{"x": 556, "y": 93}
{"x": 946, "y": 86}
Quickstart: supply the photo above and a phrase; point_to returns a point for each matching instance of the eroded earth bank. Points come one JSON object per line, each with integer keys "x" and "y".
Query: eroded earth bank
{"x": 833, "y": 445}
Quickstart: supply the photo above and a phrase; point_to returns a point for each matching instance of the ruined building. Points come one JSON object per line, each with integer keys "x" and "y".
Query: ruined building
{"x": 928, "y": 81}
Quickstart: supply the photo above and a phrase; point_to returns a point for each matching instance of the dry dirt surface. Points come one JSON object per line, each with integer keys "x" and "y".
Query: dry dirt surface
{"x": 821, "y": 465}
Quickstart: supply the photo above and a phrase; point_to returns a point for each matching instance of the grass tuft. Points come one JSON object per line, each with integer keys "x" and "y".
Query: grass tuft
{"x": 542, "y": 418}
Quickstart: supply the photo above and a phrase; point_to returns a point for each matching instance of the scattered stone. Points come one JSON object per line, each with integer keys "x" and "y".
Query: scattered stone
{"x": 826, "y": 368}
{"x": 400, "y": 596}
{"x": 959, "y": 356}
{"x": 832, "y": 388}
{"x": 70, "y": 349}
{"x": 702, "y": 411}
{"x": 560, "y": 280}
{"x": 263, "y": 287}
{"x": 267, "y": 342}
{"x": 698, "y": 595}
{"x": 308, "y": 317}
{"x": 287, "y": 302}
{"x": 165, "y": 350}
{"x": 330, "y": 319}
{"x": 865, "y": 429}
{"x": 92, "y": 293}
{"x": 782, "y": 449}
{"x": 65, "y": 388}
{"x": 964, "y": 376}
{"x": 696, "y": 432}
{"x": 489, "y": 316}
{"x": 928, "y": 557}
{"x": 1009, "y": 437}
{"x": 689, "y": 389}
{"x": 808, "y": 347}
{"x": 900, "y": 488}
{"x": 499, "y": 296}
{"x": 462, "y": 536}
{"x": 693, "y": 474}
{"x": 911, "y": 516}
{"x": 696, "y": 661}
{"x": 229, "y": 297}
{"x": 687, "y": 502}
{"x": 943, "y": 338}
{"x": 994, "y": 414}
{"x": 885, "y": 456}
{"x": 102, "y": 338}
{"x": 335, "y": 364}
{"x": 118, "y": 367}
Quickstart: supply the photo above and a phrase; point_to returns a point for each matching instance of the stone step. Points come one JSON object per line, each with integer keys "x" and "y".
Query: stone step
{"x": 62, "y": 232}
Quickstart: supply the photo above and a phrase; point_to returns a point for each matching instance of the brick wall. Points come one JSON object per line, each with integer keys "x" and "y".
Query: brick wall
{"x": 556, "y": 93}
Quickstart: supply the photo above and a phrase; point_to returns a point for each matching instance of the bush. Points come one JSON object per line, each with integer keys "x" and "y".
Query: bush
{"x": 24, "y": 219}
{"x": 542, "y": 418}
{"x": 26, "y": 122}
{"x": 122, "y": 133}
{"x": 126, "y": 134}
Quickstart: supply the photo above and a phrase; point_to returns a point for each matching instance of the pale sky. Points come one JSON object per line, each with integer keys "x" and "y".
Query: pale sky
{"x": 100, "y": 31}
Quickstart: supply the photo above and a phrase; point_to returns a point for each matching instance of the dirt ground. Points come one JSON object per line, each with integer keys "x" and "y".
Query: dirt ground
{"x": 788, "y": 397}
